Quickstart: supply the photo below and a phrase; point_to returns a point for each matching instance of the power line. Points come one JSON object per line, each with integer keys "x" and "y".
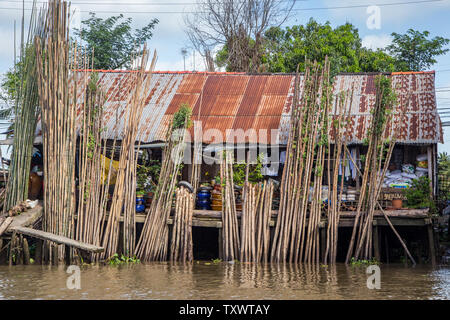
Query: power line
{"x": 136, "y": 3}
{"x": 294, "y": 9}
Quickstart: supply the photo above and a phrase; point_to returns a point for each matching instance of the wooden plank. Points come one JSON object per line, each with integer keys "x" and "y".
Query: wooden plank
{"x": 5, "y": 224}
{"x": 413, "y": 222}
{"x": 405, "y": 222}
{"x": 57, "y": 239}
{"x": 27, "y": 218}
{"x": 206, "y": 223}
{"x": 404, "y": 213}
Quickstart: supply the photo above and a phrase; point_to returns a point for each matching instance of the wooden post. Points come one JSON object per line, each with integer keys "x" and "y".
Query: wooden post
{"x": 430, "y": 167}
{"x": 12, "y": 245}
{"x": 435, "y": 170}
{"x": 2, "y": 252}
{"x": 67, "y": 255}
{"x": 54, "y": 253}
{"x": 38, "y": 252}
{"x": 19, "y": 257}
{"x": 220, "y": 242}
{"x": 323, "y": 240}
{"x": 376, "y": 241}
{"x": 386, "y": 245}
{"x": 26, "y": 251}
{"x": 432, "y": 252}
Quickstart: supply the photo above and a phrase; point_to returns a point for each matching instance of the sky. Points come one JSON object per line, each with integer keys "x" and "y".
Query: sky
{"x": 169, "y": 35}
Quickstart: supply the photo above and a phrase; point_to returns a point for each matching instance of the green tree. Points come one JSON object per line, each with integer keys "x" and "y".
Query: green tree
{"x": 414, "y": 51}
{"x": 287, "y": 48}
{"x": 376, "y": 61}
{"x": 12, "y": 81}
{"x": 444, "y": 164}
{"x": 112, "y": 40}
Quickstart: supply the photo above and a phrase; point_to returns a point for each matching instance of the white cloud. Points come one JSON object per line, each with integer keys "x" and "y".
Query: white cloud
{"x": 376, "y": 41}
{"x": 194, "y": 62}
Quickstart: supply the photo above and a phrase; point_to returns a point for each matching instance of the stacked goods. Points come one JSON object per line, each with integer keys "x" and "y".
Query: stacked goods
{"x": 399, "y": 178}
{"x": 58, "y": 112}
{"x": 231, "y": 245}
{"x": 296, "y": 238}
{"x": 204, "y": 198}
{"x": 422, "y": 165}
{"x": 379, "y": 151}
{"x": 26, "y": 112}
{"x": 403, "y": 178}
{"x": 216, "y": 198}
{"x": 255, "y": 219}
{"x": 153, "y": 242}
{"x": 181, "y": 245}
{"x": 124, "y": 196}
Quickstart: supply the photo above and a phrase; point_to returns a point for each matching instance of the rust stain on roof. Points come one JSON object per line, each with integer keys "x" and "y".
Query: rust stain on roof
{"x": 224, "y": 101}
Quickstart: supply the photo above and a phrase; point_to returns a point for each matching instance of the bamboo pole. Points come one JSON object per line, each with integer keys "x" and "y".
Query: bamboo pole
{"x": 296, "y": 237}
{"x": 181, "y": 243}
{"x": 153, "y": 243}
{"x": 58, "y": 109}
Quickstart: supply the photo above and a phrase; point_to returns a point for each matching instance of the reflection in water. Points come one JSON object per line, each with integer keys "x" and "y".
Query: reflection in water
{"x": 202, "y": 280}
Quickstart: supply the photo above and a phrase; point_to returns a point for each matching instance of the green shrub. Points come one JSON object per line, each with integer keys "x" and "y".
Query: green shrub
{"x": 418, "y": 196}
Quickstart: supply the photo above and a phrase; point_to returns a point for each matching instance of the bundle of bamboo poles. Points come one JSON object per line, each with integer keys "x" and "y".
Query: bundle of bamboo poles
{"x": 375, "y": 167}
{"x": 153, "y": 242}
{"x": 181, "y": 248}
{"x": 197, "y": 154}
{"x": 230, "y": 232}
{"x": 93, "y": 182}
{"x": 338, "y": 128}
{"x": 255, "y": 222}
{"x": 26, "y": 112}
{"x": 197, "y": 146}
{"x": 124, "y": 196}
{"x": 296, "y": 237}
{"x": 123, "y": 199}
{"x": 58, "y": 109}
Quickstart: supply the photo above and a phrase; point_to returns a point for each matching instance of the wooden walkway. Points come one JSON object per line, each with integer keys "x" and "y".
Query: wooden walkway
{"x": 406, "y": 217}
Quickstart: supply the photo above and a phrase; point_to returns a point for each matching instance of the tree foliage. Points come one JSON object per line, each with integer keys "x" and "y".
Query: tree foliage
{"x": 112, "y": 40}
{"x": 419, "y": 194}
{"x": 444, "y": 164}
{"x": 413, "y": 50}
{"x": 286, "y": 48}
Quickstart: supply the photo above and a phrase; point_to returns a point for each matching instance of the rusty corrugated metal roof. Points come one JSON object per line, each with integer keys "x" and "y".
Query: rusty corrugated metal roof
{"x": 224, "y": 101}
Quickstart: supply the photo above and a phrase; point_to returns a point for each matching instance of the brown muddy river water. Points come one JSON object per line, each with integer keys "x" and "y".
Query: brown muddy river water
{"x": 204, "y": 280}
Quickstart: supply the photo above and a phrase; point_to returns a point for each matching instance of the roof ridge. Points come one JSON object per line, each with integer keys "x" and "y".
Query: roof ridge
{"x": 249, "y": 73}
